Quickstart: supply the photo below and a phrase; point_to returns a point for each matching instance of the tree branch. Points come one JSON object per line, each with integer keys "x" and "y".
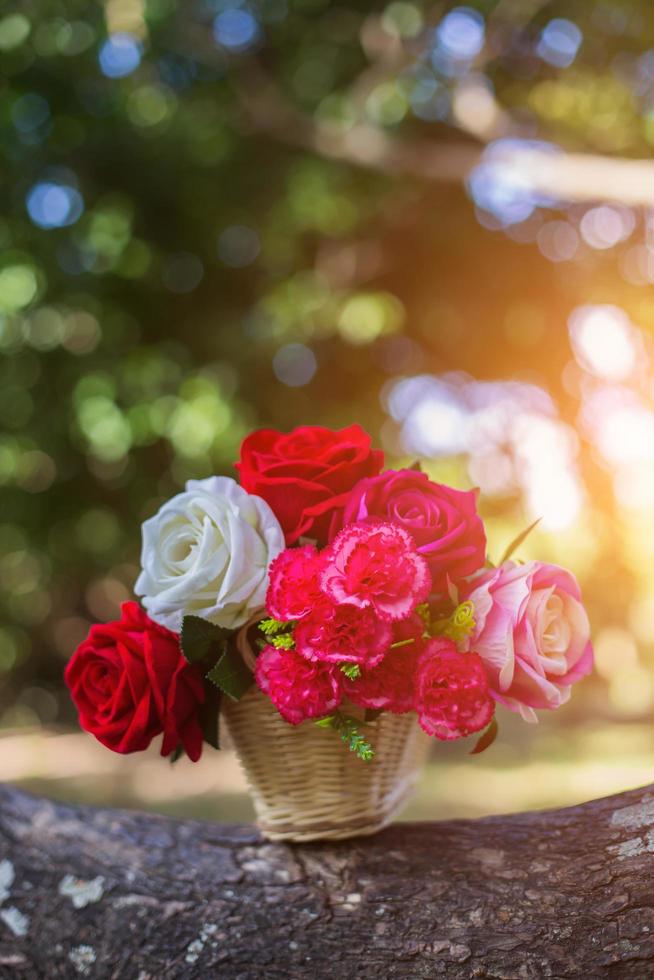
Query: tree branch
{"x": 105, "y": 894}
{"x": 564, "y": 177}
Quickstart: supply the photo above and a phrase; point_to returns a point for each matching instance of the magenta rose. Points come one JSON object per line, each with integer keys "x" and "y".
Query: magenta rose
{"x": 532, "y": 633}
{"x": 443, "y": 522}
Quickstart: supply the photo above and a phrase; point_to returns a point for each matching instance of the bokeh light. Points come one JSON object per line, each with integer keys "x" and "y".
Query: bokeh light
{"x": 604, "y": 226}
{"x": 501, "y": 187}
{"x": 54, "y": 205}
{"x": 182, "y": 272}
{"x": 604, "y": 341}
{"x": 120, "y": 55}
{"x": 238, "y": 246}
{"x": 295, "y": 365}
{"x": 31, "y": 115}
{"x": 559, "y": 42}
{"x": 14, "y": 30}
{"x": 458, "y": 39}
{"x": 236, "y": 29}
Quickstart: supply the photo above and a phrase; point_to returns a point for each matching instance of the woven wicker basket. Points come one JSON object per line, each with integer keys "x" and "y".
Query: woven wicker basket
{"x": 307, "y": 786}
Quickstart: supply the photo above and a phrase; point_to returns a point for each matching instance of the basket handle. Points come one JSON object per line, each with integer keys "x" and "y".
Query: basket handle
{"x": 243, "y": 644}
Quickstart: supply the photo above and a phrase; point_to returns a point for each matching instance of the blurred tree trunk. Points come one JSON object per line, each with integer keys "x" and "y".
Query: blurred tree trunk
{"x": 108, "y": 894}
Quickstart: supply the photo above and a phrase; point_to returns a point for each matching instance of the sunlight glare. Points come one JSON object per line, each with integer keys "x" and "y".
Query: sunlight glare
{"x": 546, "y": 449}
{"x": 626, "y": 434}
{"x": 604, "y": 341}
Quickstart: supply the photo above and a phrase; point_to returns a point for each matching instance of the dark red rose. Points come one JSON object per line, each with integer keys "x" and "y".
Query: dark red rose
{"x": 307, "y": 475}
{"x": 443, "y": 522}
{"x": 130, "y": 682}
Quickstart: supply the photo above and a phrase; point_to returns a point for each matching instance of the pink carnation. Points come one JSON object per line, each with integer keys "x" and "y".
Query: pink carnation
{"x": 452, "y": 696}
{"x": 298, "y": 688}
{"x": 344, "y": 634}
{"x": 390, "y": 685}
{"x": 294, "y": 583}
{"x": 376, "y": 566}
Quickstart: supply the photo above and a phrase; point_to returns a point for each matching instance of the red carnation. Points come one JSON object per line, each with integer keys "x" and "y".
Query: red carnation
{"x": 298, "y": 688}
{"x": 294, "y": 588}
{"x": 452, "y": 696}
{"x": 343, "y": 634}
{"x": 390, "y": 685}
{"x": 307, "y": 475}
{"x": 130, "y": 682}
{"x": 376, "y": 566}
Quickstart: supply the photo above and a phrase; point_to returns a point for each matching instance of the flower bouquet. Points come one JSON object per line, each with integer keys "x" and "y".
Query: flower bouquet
{"x": 336, "y": 615}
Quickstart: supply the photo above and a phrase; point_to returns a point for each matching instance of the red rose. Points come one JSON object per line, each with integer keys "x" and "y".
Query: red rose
{"x": 307, "y": 475}
{"x": 443, "y": 522}
{"x": 130, "y": 682}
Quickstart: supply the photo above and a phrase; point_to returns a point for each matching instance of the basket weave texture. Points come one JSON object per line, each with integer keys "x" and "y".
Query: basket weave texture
{"x": 305, "y": 783}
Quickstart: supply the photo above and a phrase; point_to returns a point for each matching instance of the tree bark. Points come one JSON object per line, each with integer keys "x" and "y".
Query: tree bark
{"x": 110, "y": 894}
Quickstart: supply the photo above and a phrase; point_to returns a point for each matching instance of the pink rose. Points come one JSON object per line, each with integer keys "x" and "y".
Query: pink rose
{"x": 532, "y": 633}
{"x": 443, "y": 522}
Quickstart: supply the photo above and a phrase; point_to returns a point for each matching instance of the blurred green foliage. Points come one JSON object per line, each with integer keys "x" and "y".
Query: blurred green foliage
{"x": 201, "y": 233}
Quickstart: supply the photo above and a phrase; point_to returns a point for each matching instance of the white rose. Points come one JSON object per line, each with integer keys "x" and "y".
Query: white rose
{"x": 206, "y": 553}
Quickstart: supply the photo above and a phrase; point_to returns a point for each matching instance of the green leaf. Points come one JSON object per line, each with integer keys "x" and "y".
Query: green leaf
{"x": 416, "y": 466}
{"x": 486, "y": 739}
{"x": 355, "y": 741}
{"x": 269, "y": 627}
{"x": 176, "y": 754}
{"x": 231, "y": 675}
{"x": 351, "y": 671}
{"x": 348, "y": 731}
{"x": 515, "y": 544}
{"x": 209, "y": 716}
{"x": 283, "y": 641}
{"x": 200, "y": 638}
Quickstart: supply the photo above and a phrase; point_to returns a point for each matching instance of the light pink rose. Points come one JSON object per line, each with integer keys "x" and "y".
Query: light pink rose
{"x": 532, "y": 633}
